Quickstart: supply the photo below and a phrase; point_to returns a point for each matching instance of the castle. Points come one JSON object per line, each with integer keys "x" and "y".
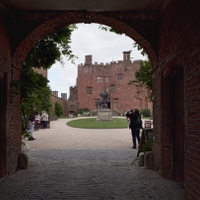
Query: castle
{"x": 94, "y": 78}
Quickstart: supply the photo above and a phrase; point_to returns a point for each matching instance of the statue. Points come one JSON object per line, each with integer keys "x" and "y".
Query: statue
{"x": 105, "y": 102}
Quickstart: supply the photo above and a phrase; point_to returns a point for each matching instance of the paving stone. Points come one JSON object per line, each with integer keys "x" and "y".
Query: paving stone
{"x": 69, "y": 163}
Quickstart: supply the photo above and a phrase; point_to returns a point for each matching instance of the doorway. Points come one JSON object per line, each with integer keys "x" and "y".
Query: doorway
{"x": 177, "y": 102}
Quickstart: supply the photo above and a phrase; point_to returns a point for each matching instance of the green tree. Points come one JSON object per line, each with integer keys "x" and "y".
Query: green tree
{"x": 51, "y": 49}
{"x": 143, "y": 77}
{"x": 32, "y": 87}
{"x": 110, "y": 29}
{"x": 58, "y": 109}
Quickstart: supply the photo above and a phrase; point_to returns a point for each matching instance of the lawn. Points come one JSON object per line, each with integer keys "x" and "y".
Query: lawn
{"x": 93, "y": 123}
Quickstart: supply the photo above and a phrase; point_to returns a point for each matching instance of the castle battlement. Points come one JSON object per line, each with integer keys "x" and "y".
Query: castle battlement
{"x": 107, "y": 64}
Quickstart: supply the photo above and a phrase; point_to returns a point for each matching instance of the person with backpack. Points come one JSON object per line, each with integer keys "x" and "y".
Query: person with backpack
{"x": 135, "y": 125}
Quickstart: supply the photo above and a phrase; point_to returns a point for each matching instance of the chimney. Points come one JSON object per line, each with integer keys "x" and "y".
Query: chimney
{"x": 64, "y": 96}
{"x": 55, "y": 93}
{"x": 88, "y": 59}
{"x": 126, "y": 55}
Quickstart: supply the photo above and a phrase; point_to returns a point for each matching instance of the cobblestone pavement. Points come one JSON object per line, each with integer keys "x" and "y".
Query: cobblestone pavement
{"x": 69, "y": 163}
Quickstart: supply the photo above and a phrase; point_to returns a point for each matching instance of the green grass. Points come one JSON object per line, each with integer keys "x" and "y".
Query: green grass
{"x": 93, "y": 123}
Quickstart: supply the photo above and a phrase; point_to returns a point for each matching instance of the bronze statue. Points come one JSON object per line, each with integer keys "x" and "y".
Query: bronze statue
{"x": 105, "y": 102}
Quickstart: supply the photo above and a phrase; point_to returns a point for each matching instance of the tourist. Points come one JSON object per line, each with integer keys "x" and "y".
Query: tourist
{"x": 134, "y": 116}
{"x": 31, "y": 124}
{"x": 45, "y": 119}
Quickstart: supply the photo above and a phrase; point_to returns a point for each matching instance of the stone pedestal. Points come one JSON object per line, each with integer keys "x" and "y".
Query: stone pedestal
{"x": 104, "y": 115}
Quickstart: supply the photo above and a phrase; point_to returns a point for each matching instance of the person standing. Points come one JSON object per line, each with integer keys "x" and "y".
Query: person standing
{"x": 31, "y": 124}
{"x": 44, "y": 118}
{"x": 134, "y": 116}
{"x": 37, "y": 122}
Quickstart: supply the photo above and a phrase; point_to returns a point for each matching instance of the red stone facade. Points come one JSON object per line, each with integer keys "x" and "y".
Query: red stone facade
{"x": 171, "y": 39}
{"x": 62, "y": 101}
{"x": 95, "y": 78}
{"x": 70, "y": 105}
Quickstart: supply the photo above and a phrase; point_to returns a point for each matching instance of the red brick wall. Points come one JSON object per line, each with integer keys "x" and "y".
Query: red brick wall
{"x": 73, "y": 96}
{"x": 179, "y": 46}
{"x": 125, "y": 94}
{"x": 70, "y": 104}
{"x": 63, "y": 102}
{"x": 10, "y": 129}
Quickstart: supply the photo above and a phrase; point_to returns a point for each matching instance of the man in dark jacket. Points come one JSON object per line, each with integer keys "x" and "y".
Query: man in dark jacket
{"x": 134, "y": 117}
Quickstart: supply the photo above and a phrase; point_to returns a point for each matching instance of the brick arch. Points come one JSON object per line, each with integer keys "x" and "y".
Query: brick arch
{"x": 67, "y": 18}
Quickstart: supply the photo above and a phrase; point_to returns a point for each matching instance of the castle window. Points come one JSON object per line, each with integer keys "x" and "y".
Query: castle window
{"x": 120, "y": 76}
{"x": 106, "y": 79}
{"x": 112, "y": 88}
{"x": 115, "y": 102}
{"x": 89, "y": 90}
{"x": 99, "y": 79}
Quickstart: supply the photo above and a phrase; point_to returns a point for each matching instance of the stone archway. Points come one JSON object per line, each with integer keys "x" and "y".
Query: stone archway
{"x": 40, "y": 24}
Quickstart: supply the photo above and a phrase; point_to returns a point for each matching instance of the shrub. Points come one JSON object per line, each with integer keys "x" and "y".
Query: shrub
{"x": 147, "y": 146}
{"x": 84, "y": 111}
{"x": 58, "y": 109}
{"x": 145, "y": 112}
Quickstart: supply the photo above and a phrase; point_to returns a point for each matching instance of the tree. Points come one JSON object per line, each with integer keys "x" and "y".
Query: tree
{"x": 143, "y": 77}
{"x": 32, "y": 87}
{"x": 51, "y": 49}
{"x": 34, "y": 93}
{"x": 58, "y": 109}
{"x": 110, "y": 29}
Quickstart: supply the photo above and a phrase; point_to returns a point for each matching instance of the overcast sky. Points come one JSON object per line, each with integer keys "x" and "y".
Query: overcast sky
{"x": 88, "y": 39}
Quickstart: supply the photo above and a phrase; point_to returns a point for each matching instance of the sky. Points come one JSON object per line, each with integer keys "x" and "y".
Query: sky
{"x": 88, "y": 39}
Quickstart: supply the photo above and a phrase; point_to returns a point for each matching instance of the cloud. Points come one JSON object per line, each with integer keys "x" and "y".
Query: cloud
{"x": 88, "y": 39}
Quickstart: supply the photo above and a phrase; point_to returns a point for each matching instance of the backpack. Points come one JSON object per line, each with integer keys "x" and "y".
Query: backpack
{"x": 138, "y": 122}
